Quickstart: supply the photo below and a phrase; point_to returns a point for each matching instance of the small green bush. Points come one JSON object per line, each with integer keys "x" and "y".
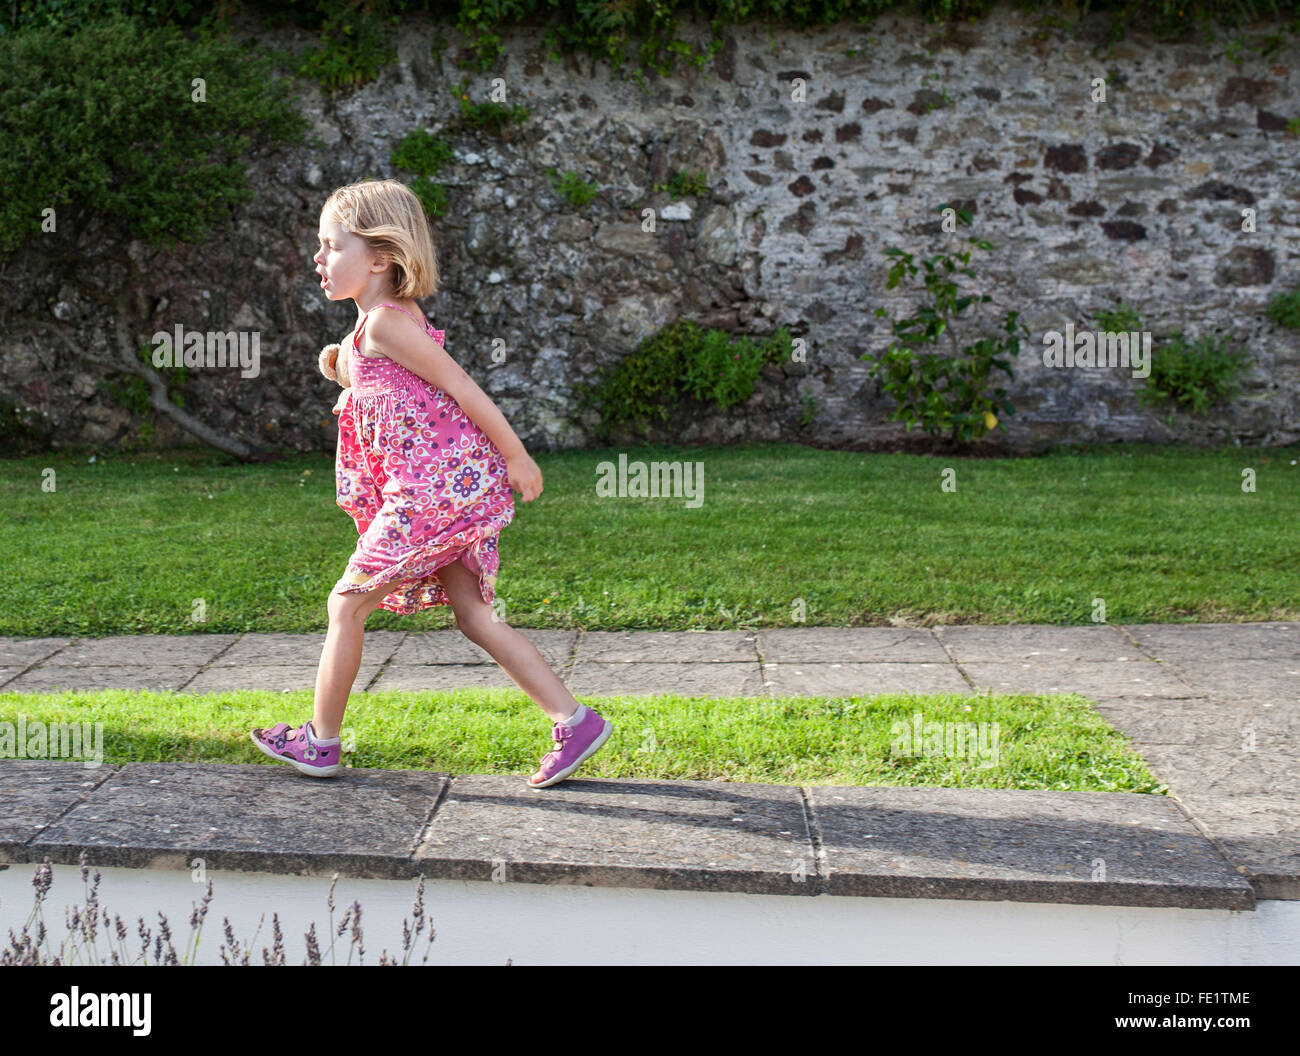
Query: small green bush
{"x": 572, "y": 188}
{"x": 1122, "y": 319}
{"x": 682, "y": 360}
{"x": 131, "y": 392}
{"x": 1195, "y": 374}
{"x": 1284, "y": 309}
{"x": 722, "y": 369}
{"x": 433, "y": 196}
{"x": 423, "y": 153}
{"x": 684, "y": 185}
{"x": 945, "y": 393}
{"x": 809, "y": 411}
{"x": 491, "y": 117}
{"x": 354, "y": 47}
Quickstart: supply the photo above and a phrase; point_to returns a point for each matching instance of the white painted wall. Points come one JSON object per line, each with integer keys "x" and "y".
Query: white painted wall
{"x": 486, "y": 923}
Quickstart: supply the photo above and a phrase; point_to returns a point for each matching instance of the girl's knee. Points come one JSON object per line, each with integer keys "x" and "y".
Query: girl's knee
{"x": 469, "y": 628}
{"x": 478, "y": 625}
{"x": 351, "y": 606}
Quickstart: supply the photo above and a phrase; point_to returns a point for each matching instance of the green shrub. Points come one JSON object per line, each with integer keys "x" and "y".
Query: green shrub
{"x": 354, "y": 46}
{"x": 102, "y": 124}
{"x": 809, "y": 411}
{"x": 682, "y": 360}
{"x": 423, "y": 153}
{"x": 67, "y": 16}
{"x": 944, "y": 393}
{"x": 645, "y": 33}
{"x": 721, "y": 369}
{"x": 1284, "y": 309}
{"x": 684, "y": 184}
{"x": 433, "y": 196}
{"x": 1195, "y": 374}
{"x": 572, "y": 188}
{"x": 492, "y": 117}
{"x": 1122, "y": 319}
{"x": 1192, "y": 373}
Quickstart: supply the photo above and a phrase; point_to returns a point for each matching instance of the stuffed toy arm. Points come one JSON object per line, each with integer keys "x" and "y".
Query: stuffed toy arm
{"x": 334, "y": 365}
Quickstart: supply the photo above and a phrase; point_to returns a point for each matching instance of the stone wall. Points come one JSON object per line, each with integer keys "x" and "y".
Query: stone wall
{"x": 1138, "y": 198}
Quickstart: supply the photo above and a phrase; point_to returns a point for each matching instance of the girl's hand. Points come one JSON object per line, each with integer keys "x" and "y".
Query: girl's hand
{"x": 523, "y": 475}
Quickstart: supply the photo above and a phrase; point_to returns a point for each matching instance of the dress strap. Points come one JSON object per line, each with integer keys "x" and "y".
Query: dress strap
{"x": 356, "y": 337}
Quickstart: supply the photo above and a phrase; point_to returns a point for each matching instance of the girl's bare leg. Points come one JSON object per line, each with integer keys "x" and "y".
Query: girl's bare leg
{"x": 517, "y": 656}
{"x": 341, "y": 658}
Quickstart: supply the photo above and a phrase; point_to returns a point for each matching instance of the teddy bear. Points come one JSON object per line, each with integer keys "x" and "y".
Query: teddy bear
{"x": 334, "y": 365}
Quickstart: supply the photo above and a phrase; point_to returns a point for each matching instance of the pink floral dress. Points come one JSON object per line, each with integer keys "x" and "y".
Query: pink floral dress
{"x": 423, "y": 483}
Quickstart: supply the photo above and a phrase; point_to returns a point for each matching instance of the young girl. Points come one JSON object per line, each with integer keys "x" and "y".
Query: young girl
{"x": 425, "y": 467}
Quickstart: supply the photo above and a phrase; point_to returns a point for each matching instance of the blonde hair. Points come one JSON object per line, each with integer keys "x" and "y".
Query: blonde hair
{"x": 388, "y": 216}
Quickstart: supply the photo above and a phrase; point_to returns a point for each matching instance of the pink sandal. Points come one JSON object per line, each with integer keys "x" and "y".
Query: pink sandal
{"x": 287, "y": 745}
{"x": 574, "y": 745}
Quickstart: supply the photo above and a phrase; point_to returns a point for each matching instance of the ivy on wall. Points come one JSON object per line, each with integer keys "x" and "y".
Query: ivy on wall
{"x": 356, "y": 36}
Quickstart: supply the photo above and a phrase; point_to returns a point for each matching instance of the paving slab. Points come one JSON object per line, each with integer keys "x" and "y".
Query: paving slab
{"x": 979, "y": 643}
{"x": 50, "y": 679}
{"x": 1202, "y": 721}
{"x": 266, "y": 818}
{"x": 1218, "y": 641}
{"x": 295, "y": 650}
{"x": 667, "y": 647}
{"x": 1099, "y": 848}
{"x": 986, "y": 844}
{"x": 1266, "y": 678}
{"x": 673, "y": 835}
{"x": 23, "y": 652}
{"x": 143, "y": 650}
{"x": 863, "y": 645}
{"x": 1257, "y": 833}
{"x": 1091, "y": 678}
{"x": 439, "y": 647}
{"x": 222, "y": 676}
{"x": 598, "y": 679}
{"x": 1229, "y": 771}
{"x": 35, "y": 793}
{"x": 452, "y": 647}
{"x": 440, "y": 677}
{"x": 852, "y": 679}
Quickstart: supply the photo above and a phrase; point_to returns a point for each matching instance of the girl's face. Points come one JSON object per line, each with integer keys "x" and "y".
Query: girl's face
{"x": 344, "y": 261}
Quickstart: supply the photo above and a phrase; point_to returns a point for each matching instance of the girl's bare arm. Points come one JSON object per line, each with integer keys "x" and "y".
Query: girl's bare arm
{"x": 392, "y": 335}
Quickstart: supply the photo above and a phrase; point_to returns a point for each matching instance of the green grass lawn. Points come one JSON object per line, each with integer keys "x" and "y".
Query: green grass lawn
{"x": 1052, "y": 742}
{"x": 125, "y": 545}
